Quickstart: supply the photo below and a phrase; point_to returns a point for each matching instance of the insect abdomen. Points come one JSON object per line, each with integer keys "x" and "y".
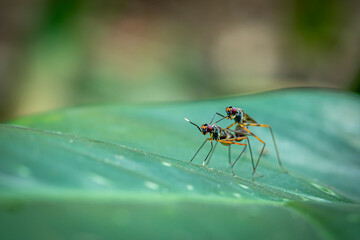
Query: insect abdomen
{"x": 226, "y": 135}
{"x": 240, "y": 132}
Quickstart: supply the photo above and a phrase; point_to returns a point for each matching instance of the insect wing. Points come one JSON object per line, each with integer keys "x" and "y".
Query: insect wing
{"x": 248, "y": 119}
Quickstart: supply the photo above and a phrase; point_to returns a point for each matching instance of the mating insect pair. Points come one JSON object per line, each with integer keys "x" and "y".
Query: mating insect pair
{"x": 229, "y": 137}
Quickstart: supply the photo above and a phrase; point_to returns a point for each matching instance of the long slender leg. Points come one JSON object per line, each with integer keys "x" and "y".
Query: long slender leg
{"x": 236, "y": 143}
{"x": 251, "y": 155}
{"x": 231, "y": 142}
{"x": 262, "y": 150}
{"x": 230, "y": 155}
{"x": 199, "y": 149}
{"x": 248, "y": 141}
{"x": 237, "y": 139}
{"x": 212, "y": 145}
{"x": 273, "y": 138}
{"x": 232, "y": 166}
{"x": 231, "y": 125}
{"x": 231, "y": 139}
{"x": 208, "y": 161}
{"x": 252, "y": 159}
{"x": 223, "y": 117}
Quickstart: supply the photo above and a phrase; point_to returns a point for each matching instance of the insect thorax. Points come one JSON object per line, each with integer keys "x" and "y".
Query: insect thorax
{"x": 239, "y": 117}
{"x": 216, "y": 132}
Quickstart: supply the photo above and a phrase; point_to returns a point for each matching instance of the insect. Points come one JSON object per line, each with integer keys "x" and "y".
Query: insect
{"x": 226, "y": 137}
{"x": 243, "y": 120}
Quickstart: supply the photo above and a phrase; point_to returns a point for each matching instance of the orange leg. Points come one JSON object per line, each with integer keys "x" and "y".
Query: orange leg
{"x": 231, "y": 142}
{"x": 231, "y": 125}
{"x": 235, "y": 139}
{"x": 273, "y": 138}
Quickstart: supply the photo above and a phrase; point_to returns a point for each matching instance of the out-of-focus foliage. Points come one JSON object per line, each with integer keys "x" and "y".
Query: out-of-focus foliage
{"x": 63, "y": 53}
{"x": 121, "y": 170}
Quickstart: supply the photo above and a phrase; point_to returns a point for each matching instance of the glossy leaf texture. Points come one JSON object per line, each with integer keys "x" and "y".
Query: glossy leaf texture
{"x": 121, "y": 170}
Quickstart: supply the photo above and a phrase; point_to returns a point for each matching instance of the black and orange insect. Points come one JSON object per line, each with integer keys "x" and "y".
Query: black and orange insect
{"x": 226, "y": 137}
{"x": 243, "y": 121}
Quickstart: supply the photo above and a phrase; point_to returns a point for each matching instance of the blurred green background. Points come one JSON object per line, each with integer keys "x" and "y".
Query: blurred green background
{"x": 56, "y": 54}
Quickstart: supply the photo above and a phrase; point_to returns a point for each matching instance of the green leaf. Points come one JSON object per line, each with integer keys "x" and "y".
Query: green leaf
{"x": 122, "y": 170}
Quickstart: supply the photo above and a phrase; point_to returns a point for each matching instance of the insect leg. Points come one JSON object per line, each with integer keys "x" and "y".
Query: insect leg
{"x": 232, "y": 142}
{"x": 236, "y": 143}
{"x": 230, "y": 155}
{"x": 211, "y": 154}
{"x": 231, "y": 125}
{"x": 273, "y": 138}
{"x": 232, "y": 166}
{"x": 199, "y": 149}
{"x": 252, "y": 159}
{"x": 262, "y": 150}
{"x": 223, "y": 117}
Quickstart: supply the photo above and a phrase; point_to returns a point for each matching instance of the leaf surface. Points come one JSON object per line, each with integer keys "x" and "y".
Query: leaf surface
{"x": 121, "y": 170}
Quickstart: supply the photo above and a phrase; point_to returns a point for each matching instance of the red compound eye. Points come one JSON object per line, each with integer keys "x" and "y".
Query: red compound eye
{"x": 209, "y": 128}
{"x": 234, "y": 110}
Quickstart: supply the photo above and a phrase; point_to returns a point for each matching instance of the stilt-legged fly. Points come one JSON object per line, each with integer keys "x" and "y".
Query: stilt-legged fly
{"x": 226, "y": 137}
{"x": 243, "y": 121}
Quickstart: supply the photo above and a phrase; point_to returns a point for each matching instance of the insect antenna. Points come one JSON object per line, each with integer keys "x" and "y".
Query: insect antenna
{"x": 192, "y": 123}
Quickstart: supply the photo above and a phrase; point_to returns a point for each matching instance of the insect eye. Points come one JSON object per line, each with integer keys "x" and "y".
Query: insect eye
{"x": 234, "y": 110}
{"x": 209, "y": 128}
